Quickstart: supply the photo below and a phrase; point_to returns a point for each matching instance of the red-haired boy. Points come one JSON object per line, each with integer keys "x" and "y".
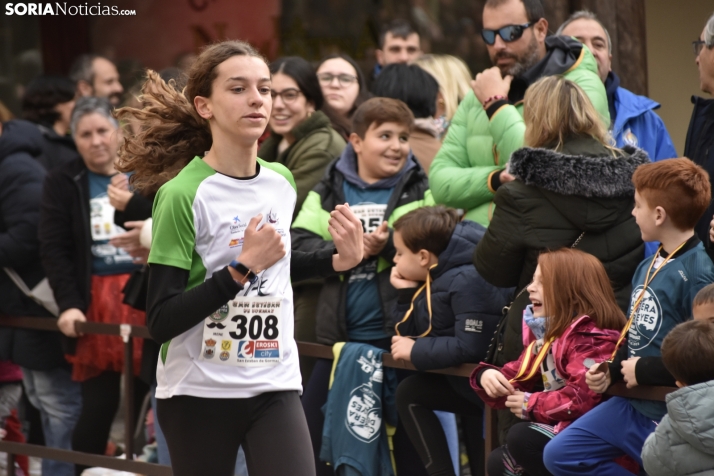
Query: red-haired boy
{"x": 670, "y": 197}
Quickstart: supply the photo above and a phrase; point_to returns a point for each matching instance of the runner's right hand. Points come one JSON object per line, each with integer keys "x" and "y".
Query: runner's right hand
{"x": 263, "y": 247}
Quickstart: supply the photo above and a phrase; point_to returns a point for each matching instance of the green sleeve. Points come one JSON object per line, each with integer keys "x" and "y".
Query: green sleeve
{"x": 173, "y": 235}
{"x": 456, "y": 179}
{"x": 584, "y": 74}
{"x": 312, "y": 217}
{"x": 507, "y": 129}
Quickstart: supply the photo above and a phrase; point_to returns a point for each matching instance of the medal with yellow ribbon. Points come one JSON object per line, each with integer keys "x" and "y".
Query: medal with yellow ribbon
{"x": 427, "y": 286}
{"x": 641, "y": 297}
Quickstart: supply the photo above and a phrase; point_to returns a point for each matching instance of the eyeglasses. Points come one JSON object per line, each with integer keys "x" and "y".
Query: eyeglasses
{"x": 508, "y": 33}
{"x": 287, "y": 95}
{"x": 344, "y": 79}
{"x": 698, "y": 45}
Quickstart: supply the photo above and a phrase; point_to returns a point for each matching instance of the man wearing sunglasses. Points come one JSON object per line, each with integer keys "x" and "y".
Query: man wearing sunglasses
{"x": 700, "y": 136}
{"x": 634, "y": 121}
{"x": 488, "y": 125}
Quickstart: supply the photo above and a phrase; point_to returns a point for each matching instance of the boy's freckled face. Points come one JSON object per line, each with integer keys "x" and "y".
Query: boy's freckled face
{"x": 383, "y": 151}
{"x": 703, "y": 312}
{"x": 645, "y": 218}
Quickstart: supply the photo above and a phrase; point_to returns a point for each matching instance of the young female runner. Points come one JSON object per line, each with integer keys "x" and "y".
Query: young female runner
{"x": 219, "y": 289}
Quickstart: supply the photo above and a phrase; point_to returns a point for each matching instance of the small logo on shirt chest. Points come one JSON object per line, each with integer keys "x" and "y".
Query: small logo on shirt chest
{"x": 237, "y": 226}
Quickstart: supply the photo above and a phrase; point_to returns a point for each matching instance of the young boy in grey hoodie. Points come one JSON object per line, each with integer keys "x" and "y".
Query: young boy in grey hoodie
{"x": 683, "y": 443}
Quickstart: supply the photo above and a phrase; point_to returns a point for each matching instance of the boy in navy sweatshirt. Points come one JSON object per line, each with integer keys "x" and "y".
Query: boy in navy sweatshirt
{"x": 670, "y": 197}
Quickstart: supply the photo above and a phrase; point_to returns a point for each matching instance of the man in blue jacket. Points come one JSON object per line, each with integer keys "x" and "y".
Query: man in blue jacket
{"x": 632, "y": 117}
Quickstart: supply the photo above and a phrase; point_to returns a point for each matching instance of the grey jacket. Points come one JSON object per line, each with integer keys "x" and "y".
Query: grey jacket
{"x": 683, "y": 443}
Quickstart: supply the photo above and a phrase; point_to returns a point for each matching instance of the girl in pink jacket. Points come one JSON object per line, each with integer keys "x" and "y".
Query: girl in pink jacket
{"x": 572, "y": 323}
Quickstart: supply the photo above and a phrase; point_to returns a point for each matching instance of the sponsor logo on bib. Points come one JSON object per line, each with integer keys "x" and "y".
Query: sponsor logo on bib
{"x": 210, "y": 349}
{"x": 245, "y": 349}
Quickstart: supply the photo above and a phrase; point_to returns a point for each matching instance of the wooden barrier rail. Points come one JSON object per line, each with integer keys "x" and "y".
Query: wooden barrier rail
{"x": 305, "y": 349}
{"x": 126, "y": 332}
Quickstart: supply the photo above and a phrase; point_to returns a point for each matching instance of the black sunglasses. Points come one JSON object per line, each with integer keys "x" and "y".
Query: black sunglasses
{"x": 508, "y": 33}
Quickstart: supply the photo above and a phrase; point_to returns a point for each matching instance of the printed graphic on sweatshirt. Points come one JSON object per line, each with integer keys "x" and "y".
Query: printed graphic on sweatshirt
{"x": 647, "y": 322}
{"x": 363, "y": 418}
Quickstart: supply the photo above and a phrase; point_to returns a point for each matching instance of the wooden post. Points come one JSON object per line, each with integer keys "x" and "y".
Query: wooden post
{"x": 128, "y": 378}
{"x": 491, "y": 434}
{"x": 10, "y": 464}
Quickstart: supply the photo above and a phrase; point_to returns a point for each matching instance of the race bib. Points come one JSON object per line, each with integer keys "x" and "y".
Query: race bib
{"x": 370, "y": 214}
{"x": 101, "y": 218}
{"x": 245, "y": 332}
{"x": 551, "y": 377}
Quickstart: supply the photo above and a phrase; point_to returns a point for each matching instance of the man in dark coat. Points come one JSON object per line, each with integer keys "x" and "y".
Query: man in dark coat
{"x": 700, "y": 137}
{"x": 46, "y": 373}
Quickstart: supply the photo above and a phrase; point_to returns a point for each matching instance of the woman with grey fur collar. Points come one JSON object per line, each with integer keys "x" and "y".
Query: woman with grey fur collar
{"x": 571, "y": 188}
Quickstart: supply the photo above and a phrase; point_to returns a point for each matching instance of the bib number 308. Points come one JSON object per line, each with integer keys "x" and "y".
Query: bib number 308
{"x": 244, "y": 333}
{"x": 258, "y": 326}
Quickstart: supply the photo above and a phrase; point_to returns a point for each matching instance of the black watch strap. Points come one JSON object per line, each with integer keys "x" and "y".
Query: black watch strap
{"x": 248, "y": 275}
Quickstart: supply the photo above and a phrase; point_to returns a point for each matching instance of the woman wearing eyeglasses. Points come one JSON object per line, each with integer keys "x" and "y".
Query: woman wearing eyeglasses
{"x": 344, "y": 88}
{"x": 303, "y": 140}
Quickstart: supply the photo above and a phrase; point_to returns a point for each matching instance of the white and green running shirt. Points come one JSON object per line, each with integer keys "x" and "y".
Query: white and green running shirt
{"x": 199, "y": 221}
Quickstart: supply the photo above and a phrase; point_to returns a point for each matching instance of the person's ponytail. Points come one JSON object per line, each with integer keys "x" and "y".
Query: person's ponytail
{"x": 171, "y": 133}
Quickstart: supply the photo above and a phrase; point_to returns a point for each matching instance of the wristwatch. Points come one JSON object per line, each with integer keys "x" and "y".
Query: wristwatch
{"x": 248, "y": 275}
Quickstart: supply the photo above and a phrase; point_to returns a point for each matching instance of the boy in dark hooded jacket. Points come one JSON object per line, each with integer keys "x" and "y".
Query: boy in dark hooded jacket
{"x": 446, "y": 315}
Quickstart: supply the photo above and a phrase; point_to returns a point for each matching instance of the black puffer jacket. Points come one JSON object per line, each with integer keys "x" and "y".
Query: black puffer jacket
{"x": 21, "y": 178}
{"x": 557, "y": 196}
{"x": 465, "y": 309}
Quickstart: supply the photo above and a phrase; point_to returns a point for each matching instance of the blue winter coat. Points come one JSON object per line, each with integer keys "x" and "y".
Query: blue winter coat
{"x": 465, "y": 308}
{"x": 636, "y": 124}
